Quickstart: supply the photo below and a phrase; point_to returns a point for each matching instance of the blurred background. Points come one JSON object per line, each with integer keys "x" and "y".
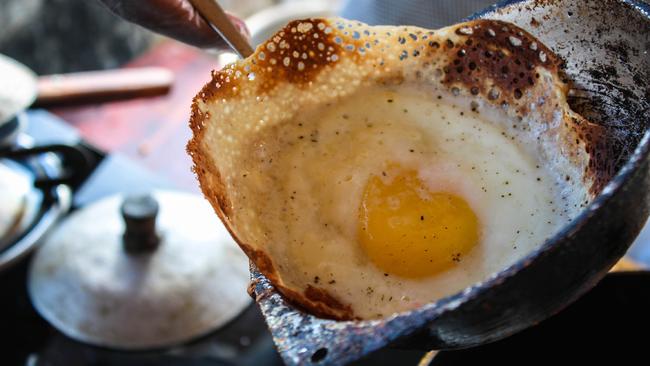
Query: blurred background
{"x": 63, "y": 36}
{"x": 54, "y": 36}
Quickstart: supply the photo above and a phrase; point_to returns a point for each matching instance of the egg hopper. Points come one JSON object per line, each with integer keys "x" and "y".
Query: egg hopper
{"x": 164, "y": 273}
{"x": 603, "y": 45}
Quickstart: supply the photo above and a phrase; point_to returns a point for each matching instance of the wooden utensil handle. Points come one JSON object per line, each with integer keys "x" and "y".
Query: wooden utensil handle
{"x": 212, "y": 12}
{"x": 100, "y": 86}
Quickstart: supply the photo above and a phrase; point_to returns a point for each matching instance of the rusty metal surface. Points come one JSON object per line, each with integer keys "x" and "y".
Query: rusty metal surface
{"x": 605, "y": 46}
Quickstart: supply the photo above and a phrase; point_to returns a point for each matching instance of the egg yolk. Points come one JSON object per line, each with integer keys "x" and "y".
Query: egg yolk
{"x": 409, "y": 231}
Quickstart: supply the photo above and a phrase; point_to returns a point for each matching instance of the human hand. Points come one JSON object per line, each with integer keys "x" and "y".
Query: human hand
{"x": 174, "y": 18}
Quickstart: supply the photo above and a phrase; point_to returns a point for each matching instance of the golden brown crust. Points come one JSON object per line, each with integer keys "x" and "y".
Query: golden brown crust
{"x": 321, "y": 296}
{"x": 318, "y": 301}
{"x": 500, "y": 52}
{"x": 601, "y": 167}
{"x": 491, "y": 60}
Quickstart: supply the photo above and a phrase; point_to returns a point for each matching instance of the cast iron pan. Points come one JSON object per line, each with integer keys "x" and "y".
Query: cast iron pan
{"x": 605, "y": 47}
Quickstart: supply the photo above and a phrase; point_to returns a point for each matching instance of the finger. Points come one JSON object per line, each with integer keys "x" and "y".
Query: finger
{"x": 174, "y": 18}
{"x": 201, "y": 32}
{"x": 241, "y": 26}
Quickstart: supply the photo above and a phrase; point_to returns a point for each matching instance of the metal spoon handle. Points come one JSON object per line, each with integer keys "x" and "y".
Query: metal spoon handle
{"x": 214, "y": 14}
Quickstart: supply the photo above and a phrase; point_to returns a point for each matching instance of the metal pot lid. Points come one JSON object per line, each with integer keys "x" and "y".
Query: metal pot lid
{"x": 131, "y": 286}
{"x": 18, "y": 89}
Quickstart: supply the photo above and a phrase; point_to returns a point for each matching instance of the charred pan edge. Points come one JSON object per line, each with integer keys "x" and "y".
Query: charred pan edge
{"x": 493, "y": 60}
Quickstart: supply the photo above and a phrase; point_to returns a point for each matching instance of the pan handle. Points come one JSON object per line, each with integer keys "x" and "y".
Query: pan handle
{"x": 102, "y": 86}
{"x": 76, "y": 163}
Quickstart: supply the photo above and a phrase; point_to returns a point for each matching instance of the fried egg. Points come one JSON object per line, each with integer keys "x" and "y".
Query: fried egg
{"x": 388, "y": 198}
{"x": 372, "y": 170}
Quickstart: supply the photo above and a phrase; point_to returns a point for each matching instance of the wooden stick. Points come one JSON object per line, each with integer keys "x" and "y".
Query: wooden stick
{"x": 214, "y": 14}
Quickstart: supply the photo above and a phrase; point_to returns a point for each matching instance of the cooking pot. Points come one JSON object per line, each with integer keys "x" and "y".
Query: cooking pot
{"x": 35, "y": 188}
{"x": 605, "y": 48}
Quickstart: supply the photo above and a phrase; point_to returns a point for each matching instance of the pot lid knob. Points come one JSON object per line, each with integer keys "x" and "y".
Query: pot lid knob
{"x": 139, "y": 213}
